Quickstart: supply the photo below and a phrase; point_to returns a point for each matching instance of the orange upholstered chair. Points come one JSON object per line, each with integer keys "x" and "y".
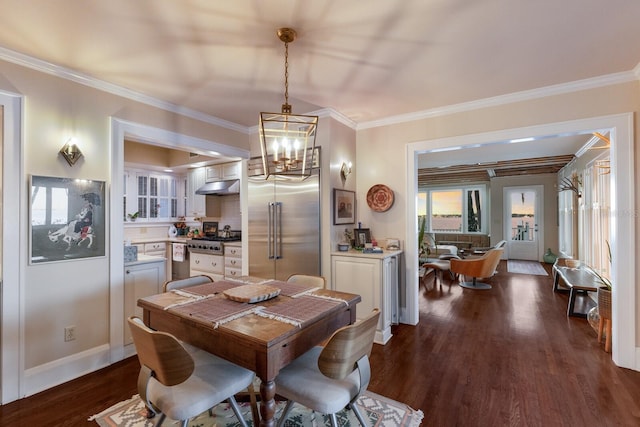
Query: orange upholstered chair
{"x": 481, "y": 267}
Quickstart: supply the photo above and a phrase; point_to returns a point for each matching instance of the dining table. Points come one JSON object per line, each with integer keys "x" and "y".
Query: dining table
{"x": 259, "y": 324}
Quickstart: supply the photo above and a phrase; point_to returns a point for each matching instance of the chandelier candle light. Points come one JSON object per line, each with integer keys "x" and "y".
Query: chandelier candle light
{"x": 287, "y": 140}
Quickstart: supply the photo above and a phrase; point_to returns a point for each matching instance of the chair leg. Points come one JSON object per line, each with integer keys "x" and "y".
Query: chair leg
{"x": 285, "y": 413}
{"x": 160, "y": 420}
{"x": 254, "y": 405}
{"x": 607, "y": 345}
{"x": 354, "y": 408}
{"x": 334, "y": 420}
{"x": 236, "y": 410}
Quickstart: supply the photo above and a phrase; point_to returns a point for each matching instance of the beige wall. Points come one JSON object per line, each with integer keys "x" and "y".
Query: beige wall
{"x": 76, "y": 292}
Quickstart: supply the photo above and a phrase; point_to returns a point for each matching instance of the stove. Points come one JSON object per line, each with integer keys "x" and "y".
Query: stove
{"x": 212, "y": 244}
{"x": 205, "y": 246}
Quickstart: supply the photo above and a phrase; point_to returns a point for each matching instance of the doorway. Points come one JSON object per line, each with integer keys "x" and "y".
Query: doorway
{"x": 523, "y": 222}
{"x": 623, "y": 198}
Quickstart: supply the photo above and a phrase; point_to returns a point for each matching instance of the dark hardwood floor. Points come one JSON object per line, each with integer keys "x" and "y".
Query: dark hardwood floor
{"x": 508, "y": 356}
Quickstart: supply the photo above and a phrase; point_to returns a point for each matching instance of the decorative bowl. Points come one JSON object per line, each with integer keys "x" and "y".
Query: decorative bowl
{"x": 343, "y": 247}
{"x": 573, "y": 263}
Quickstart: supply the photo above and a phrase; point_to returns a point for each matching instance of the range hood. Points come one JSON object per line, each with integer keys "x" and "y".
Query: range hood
{"x": 220, "y": 188}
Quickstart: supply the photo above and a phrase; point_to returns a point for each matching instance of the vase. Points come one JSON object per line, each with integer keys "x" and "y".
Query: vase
{"x": 549, "y": 257}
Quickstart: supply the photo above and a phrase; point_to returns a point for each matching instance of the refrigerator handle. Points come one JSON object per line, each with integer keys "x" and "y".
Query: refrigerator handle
{"x": 270, "y": 240}
{"x": 278, "y": 230}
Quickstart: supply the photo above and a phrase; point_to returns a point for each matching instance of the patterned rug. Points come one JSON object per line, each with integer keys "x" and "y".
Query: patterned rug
{"x": 381, "y": 412}
{"x": 526, "y": 267}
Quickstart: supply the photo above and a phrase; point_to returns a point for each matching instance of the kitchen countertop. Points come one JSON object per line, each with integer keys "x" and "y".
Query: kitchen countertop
{"x": 144, "y": 259}
{"x": 354, "y": 253}
{"x": 138, "y": 240}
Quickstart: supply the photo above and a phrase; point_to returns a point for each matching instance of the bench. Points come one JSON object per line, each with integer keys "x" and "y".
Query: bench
{"x": 578, "y": 280}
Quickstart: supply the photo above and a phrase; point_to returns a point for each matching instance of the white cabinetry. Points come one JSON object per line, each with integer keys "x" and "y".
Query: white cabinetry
{"x": 196, "y": 203}
{"x": 223, "y": 172}
{"x": 207, "y": 264}
{"x": 156, "y": 249}
{"x": 375, "y": 278}
{"x": 141, "y": 278}
{"x": 232, "y": 260}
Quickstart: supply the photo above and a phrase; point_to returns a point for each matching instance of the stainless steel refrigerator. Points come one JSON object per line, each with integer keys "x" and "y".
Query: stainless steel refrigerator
{"x": 284, "y": 226}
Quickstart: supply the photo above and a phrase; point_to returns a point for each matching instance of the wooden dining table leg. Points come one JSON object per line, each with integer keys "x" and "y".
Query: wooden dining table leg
{"x": 267, "y": 403}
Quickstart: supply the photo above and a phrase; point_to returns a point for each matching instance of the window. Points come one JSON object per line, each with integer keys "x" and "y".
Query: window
{"x": 154, "y": 197}
{"x": 455, "y": 209}
{"x": 49, "y": 205}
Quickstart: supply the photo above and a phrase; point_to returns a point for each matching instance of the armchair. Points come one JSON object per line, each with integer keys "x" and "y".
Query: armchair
{"x": 481, "y": 267}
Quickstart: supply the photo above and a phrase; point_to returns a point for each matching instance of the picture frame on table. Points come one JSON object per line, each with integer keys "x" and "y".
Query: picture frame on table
{"x": 66, "y": 219}
{"x": 344, "y": 206}
{"x": 361, "y": 236}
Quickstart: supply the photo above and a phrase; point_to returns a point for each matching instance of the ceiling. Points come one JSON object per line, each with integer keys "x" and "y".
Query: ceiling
{"x": 366, "y": 61}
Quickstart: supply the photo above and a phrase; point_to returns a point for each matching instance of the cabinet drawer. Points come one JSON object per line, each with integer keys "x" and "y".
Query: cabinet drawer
{"x": 155, "y": 247}
{"x": 232, "y": 272}
{"x": 232, "y": 262}
{"x": 207, "y": 263}
{"x": 232, "y": 251}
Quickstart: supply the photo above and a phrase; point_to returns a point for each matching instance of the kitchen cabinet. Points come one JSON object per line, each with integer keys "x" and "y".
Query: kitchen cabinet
{"x": 375, "y": 278}
{"x": 207, "y": 264}
{"x": 232, "y": 260}
{"x": 156, "y": 249}
{"x": 142, "y": 278}
{"x": 222, "y": 172}
{"x": 196, "y": 203}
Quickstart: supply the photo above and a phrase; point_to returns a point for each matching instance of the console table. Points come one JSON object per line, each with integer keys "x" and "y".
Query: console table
{"x": 578, "y": 280}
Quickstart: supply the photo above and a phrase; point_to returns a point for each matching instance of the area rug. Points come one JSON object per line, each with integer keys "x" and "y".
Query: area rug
{"x": 379, "y": 410}
{"x": 526, "y": 267}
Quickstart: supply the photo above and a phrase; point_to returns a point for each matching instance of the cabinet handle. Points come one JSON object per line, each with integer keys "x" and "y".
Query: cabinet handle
{"x": 128, "y": 272}
{"x": 197, "y": 261}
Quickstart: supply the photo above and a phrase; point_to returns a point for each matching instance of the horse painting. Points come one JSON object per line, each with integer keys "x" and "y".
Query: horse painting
{"x": 70, "y": 236}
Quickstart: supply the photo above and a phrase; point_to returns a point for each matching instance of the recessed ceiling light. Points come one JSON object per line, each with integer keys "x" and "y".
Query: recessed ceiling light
{"x": 168, "y": 170}
{"x": 522, "y": 140}
{"x": 214, "y": 153}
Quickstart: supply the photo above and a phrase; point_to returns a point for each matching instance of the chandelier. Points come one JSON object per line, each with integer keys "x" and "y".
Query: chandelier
{"x": 287, "y": 140}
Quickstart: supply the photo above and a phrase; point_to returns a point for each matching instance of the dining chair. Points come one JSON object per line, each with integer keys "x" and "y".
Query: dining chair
{"x": 478, "y": 267}
{"x": 200, "y": 279}
{"x": 305, "y": 279}
{"x": 180, "y": 385}
{"x": 330, "y": 378}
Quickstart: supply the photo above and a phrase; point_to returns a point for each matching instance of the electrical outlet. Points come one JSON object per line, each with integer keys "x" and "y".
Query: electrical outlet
{"x": 70, "y": 333}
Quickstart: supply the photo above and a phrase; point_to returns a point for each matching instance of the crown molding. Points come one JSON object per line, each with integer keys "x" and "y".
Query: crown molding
{"x": 575, "y": 86}
{"x": 87, "y": 80}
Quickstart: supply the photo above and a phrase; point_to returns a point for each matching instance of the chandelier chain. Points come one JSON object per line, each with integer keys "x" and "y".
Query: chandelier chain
{"x": 286, "y": 73}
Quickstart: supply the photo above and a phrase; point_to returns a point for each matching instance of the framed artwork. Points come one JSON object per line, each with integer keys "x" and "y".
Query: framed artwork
{"x": 344, "y": 206}
{"x": 67, "y": 219}
{"x": 361, "y": 236}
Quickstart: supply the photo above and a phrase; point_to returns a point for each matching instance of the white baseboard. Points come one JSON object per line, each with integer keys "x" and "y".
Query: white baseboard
{"x": 59, "y": 371}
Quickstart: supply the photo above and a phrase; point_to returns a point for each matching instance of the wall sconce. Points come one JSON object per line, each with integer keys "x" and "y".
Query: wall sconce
{"x": 345, "y": 170}
{"x": 71, "y": 152}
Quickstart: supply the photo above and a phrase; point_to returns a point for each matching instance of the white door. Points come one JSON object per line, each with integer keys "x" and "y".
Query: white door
{"x": 523, "y": 222}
